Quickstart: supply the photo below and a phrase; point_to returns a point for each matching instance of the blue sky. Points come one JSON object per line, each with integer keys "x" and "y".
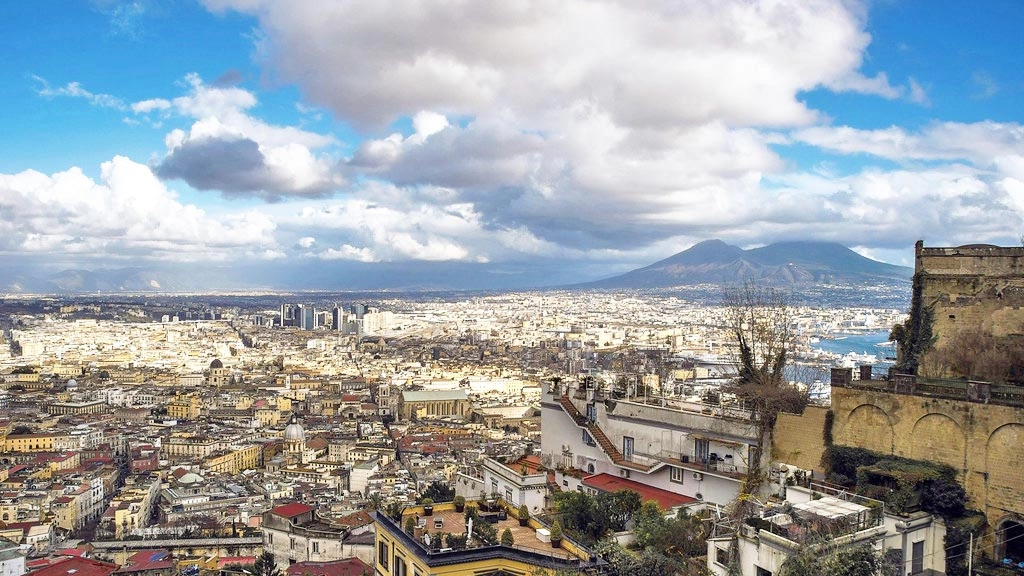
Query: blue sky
{"x": 590, "y": 137}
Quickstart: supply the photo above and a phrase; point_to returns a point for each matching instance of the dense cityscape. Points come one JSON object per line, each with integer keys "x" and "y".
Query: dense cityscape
{"x": 569, "y": 431}
{"x": 530, "y": 288}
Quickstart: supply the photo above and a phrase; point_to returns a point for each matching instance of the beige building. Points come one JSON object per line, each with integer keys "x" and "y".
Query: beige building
{"x": 426, "y": 404}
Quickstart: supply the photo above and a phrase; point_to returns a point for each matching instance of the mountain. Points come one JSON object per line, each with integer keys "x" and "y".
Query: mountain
{"x": 715, "y": 262}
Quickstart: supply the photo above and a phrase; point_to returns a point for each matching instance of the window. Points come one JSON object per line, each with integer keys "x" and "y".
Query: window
{"x": 316, "y": 547}
{"x": 494, "y": 486}
{"x": 400, "y": 567}
{"x": 627, "y": 447}
{"x": 722, "y": 556}
{"x": 587, "y": 439}
{"x": 382, "y": 554}
{"x": 676, "y": 474}
{"x": 701, "y": 449}
{"x": 761, "y": 571}
{"x": 508, "y": 495}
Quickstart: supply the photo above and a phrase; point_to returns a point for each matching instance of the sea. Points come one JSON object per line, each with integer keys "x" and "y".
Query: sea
{"x": 866, "y": 343}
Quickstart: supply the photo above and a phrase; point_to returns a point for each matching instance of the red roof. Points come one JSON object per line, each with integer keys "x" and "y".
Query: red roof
{"x": 148, "y": 560}
{"x": 79, "y": 566}
{"x": 358, "y": 518}
{"x": 664, "y": 498}
{"x": 236, "y": 560}
{"x": 346, "y": 567}
{"x": 291, "y": 510}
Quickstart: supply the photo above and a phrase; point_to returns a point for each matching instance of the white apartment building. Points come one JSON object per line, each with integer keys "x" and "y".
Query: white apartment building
{"x": 765, "y": 543}
{"x": 698, "y": 451}
{"x": 517, "y": 487}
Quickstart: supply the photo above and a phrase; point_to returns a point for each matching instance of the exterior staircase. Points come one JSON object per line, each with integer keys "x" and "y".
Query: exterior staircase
{"x": 600, "y": 437}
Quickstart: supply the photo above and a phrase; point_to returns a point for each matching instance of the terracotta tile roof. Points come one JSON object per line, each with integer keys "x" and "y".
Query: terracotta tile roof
{"x": 236, "y": 560}
{"x": 76, "y": 566}
{"x": 148, "y": 560}
{"x": 360, "y": 518}
{"x": 291, "y": 510}
{"x": 610, "y": 483}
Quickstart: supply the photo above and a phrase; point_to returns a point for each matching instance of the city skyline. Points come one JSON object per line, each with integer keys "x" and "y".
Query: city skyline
{"x": 533, "y": 142}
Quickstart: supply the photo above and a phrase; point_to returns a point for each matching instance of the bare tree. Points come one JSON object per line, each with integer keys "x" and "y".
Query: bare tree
{"x": 760, "y": 322}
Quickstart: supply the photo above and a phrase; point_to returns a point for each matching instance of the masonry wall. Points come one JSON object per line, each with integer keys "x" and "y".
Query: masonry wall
{"x": 976, "y": 286}
{"x": 799, "y": 439}
{"x": 983, "y": 442}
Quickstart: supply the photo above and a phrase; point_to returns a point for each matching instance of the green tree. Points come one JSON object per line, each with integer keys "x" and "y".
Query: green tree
{"x": 266, "y": 565}
{"x": 616, "y": 509}
{"x": 914, "y": 337}
{"x": 506, "y": 537}
{"x": 439, "y": 491}
{"x": 825, "y": 558}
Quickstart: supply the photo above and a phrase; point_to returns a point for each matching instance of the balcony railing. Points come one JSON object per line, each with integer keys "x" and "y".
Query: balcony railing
{"x": 953, "y": 389}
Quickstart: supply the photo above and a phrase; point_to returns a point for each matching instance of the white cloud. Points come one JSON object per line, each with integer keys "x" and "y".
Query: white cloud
{"x": 348, "y": 252}
{"x": 644, "y": 63}
{"x": 877, "y": 85}
{"x": 76, "y": 90}
{"x": 307, "y": 241}
{"x": 982, "y": 143}
{"x": 917, "y": 93}
{"x": 127, "y": 214}
{"x": 228, "y": 149}
{"x": 147, "y": 106}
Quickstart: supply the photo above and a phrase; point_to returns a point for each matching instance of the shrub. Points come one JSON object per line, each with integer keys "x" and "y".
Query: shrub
{"x": 556, "y": 530}
{"x": 506, "y": 537}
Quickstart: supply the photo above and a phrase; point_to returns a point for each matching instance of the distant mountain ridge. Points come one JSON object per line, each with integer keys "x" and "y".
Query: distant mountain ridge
{"x": 783, "y": 263}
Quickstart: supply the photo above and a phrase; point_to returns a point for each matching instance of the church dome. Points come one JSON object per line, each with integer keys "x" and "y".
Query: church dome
{"x": 216, "y": 364}
{"x": 294, "y": 432}
{"x": 72, "y": 383}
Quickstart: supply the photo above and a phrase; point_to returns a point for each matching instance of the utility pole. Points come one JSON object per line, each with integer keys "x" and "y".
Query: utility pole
{"x": 970, "y": 556}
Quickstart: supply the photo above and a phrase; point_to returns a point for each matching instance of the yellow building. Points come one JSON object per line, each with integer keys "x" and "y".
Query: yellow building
{"x": 234, "y": 461}
{"x": 43, "y": 442}
{"x": 399, "y": 553}
{"x": 184, "y": 407}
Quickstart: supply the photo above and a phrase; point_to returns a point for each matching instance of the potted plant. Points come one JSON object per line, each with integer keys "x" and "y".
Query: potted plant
{"x": 428, "y": 506}
{"x": 556, "y": 534}
{"x": 460, "y": 503}
{"x": 410, "y": 524}
{"x": 506, "y": 538}
{"x": 524, "y": 515}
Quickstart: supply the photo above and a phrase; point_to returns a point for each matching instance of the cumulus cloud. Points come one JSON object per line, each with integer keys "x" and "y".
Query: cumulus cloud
{"x": 229, "y": 150}
{"x": 646, "y": 64}
{"x": 127, "y": 214}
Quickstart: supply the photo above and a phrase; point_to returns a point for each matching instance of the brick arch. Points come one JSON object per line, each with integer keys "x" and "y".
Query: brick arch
{"x": 938, "y": 438}
{"x": 868, "y": 426}
{"x": 1002, "y": 462}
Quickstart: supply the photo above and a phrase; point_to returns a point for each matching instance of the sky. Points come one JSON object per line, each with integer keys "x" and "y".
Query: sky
{"x": 533, "y": 141}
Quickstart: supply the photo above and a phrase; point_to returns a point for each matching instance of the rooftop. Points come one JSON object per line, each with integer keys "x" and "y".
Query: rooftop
{"x": 665, "y": 499}
{"x": 527, "y": 548}
{"x": 291, "y": 510}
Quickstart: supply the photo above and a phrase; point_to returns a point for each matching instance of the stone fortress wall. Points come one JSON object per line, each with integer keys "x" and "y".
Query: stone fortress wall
{"x": 977, "y": 286}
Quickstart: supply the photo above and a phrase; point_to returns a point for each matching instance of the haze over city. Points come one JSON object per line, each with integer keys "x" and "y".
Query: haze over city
{"x": 529, "y": 143}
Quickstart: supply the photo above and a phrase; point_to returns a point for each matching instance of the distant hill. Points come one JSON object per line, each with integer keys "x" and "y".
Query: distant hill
{"x": 784, "y": 263}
